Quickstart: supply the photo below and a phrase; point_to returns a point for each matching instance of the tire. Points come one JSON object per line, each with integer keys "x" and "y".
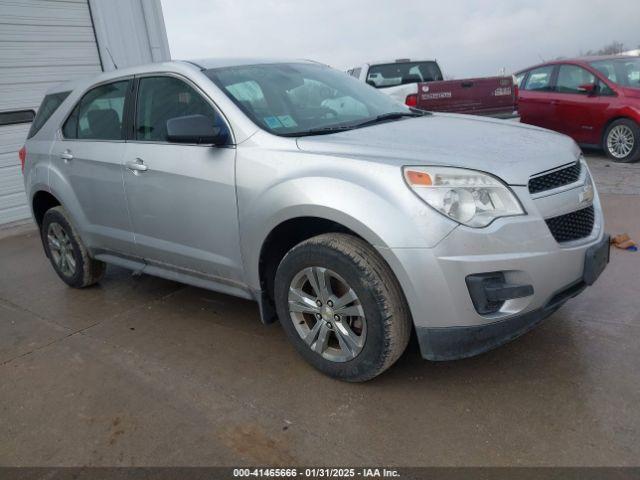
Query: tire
{"x": 68, "y": 255}
{"x": 370, "y": 332}
{"x": 622, "y": 135}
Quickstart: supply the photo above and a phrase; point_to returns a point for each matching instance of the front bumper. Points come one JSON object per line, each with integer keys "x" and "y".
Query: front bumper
{"x": 454, "y": 343}
{"x": 433, "y": 280}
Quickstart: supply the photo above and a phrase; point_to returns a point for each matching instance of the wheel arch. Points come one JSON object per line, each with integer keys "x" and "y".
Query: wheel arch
{"x": 42, "y": 201}
{"x": 289, "y": 233}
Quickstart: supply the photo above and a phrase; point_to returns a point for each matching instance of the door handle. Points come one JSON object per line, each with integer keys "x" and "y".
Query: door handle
{"x": 137, "y": 166}
{"x": 66, "y": 155}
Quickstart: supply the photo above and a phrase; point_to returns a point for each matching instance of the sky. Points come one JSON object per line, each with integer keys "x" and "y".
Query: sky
{"x": 467, "y": 37}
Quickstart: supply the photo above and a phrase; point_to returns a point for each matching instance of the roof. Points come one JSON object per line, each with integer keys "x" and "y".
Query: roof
{"x": 207, "y": 63}
{"x": 578, "y": 60}
{"x": 174, "y": 65}
{"x": 401, "y": 60}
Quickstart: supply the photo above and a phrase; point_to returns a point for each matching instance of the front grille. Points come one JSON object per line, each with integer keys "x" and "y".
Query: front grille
{"x": 572, "y": 226}
{"x": 555, "y": 179}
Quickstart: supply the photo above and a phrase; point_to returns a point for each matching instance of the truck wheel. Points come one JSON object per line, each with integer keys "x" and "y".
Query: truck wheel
{"x": 622, "y": 141}
{"x": 67, "y": 253}
{"x": 341, "y": 307}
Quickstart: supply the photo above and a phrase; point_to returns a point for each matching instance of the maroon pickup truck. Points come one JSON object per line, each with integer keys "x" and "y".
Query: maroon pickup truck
{"x": 420, "y": 84}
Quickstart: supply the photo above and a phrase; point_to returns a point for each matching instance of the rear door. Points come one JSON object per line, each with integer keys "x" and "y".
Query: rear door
{"x": 535, "y": 103}
{"x": 88, "y": 157}
{"x": 181, "y": 197}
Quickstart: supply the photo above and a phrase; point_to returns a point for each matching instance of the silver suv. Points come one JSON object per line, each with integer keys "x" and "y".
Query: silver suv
{"x": 352, "y": 219}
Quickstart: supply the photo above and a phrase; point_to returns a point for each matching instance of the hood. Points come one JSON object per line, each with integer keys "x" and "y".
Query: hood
{"x": 508, "y": 150}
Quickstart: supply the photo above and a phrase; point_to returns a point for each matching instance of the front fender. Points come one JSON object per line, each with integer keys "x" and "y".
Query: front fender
{"x": 368, "y": 198}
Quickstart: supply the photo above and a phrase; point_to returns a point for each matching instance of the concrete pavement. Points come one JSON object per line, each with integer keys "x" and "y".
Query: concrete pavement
{"x": 143, "y": 371}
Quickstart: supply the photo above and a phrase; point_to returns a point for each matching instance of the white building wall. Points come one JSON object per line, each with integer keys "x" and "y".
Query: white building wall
{"x": 119, "y": 24}
{"x": 45, "y": 42}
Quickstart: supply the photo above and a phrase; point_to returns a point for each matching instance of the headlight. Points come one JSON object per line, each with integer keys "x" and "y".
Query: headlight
{"x": 467, "y": 196}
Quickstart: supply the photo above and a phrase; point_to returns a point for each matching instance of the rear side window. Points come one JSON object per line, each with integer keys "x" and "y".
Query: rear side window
{"x": 49, "y": 105}
{"x": 163, "y": 98}
{"x": 539, "y": 79}
{"x": 99, "y": 114}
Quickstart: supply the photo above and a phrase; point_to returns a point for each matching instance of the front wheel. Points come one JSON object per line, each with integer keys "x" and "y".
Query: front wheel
{"x": 622, "y": 141}
{"x": 341, "y": 307}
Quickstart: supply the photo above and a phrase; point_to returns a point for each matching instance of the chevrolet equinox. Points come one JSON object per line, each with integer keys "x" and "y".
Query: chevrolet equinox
{"x": 353, "y": 219}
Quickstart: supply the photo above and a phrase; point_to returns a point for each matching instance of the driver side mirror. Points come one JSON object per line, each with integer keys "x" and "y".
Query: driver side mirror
{"x": 196, "y": 129}
{"x": 588, "y": 88}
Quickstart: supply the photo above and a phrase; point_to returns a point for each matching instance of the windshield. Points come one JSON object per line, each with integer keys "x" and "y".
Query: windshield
{"x": 298, "y": 98}
{"x": 623, "y": 71}
{"x": 392, "y": 74}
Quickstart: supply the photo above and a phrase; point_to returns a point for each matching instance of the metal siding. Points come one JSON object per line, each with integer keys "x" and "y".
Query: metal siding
{"x": 119, "y": 24}
{"x": 46, "y": 42}
{"x": 42, "y": 43}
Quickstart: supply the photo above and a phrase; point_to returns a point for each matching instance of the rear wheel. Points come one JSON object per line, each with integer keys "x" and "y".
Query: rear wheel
{"x": 68, "y": 255}
{"x": 341, "y": 307}
{"x": 622, "y": 141}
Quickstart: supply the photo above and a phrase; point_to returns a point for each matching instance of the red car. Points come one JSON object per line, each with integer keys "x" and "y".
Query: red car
{"x": 595, "y": 100}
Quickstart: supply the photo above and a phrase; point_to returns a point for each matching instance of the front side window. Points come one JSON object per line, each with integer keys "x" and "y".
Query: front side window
{"x": 291, "y": 98}
{"x": 624, "y": 71}
{"x": 393, "y": 74}
{"x": 163, "y": 98}
{"x": 99, "y": 115}
{"x": 572, "y": 77}
{"x": 539, "y": 79}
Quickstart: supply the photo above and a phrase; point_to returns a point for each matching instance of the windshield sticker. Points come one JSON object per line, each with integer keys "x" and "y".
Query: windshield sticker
{"x": 272, "y": 122}
{"x": 287, "y": 121}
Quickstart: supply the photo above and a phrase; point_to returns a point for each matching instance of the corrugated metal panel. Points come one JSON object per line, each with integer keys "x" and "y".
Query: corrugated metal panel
{"x": 13, "y": 201}
{"x": 11, "y": 139}
{"x": 42, "y": 43}
{"x": 46, "y": 42}
{"x": 122, "y": 23}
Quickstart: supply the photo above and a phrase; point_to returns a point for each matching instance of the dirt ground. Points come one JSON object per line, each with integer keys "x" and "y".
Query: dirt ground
{"x": 144, "y": 371}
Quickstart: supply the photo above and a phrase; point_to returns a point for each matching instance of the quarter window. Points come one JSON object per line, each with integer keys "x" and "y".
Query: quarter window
{"x": 519, "y": 78}
{"x": 163, "y": 98}
{"x": 539, "y": 79}
{"x": 49, "y": 105}
{"x": 99, "y": 114}
{"x": 571, "y": 77}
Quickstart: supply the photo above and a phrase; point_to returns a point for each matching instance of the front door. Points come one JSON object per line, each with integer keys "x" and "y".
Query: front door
{"x": 181, "y": 198}
{"x": 579, "y": 114}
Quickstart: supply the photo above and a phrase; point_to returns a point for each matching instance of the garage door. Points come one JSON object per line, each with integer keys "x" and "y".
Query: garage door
{"x": 42, "y": 43}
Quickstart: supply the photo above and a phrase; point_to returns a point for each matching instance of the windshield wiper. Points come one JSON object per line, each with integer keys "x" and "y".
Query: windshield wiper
{"x": 390, "y": 116}
{"x": 320, "y": 131}
{"x": 343, "y": 128}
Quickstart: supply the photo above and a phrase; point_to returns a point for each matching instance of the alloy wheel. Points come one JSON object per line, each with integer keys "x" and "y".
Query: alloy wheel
{"x": 620, "y": 141}
{"x": 327, "y": 314}
{"x": 61, "y": 249}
